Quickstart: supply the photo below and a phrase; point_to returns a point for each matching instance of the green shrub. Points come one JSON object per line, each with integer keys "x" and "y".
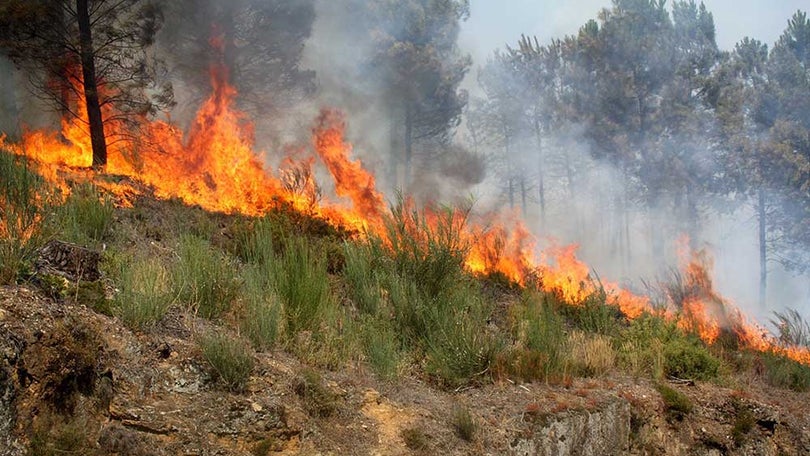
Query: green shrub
{"x": 687, "y": 357}
{"x": 261, "y": 320}
{"x": 641, "y": 345}
{"x": 464, "y": 423}
{"x": 25, "y": 205}
{"x": 254, "y": 241}
{"x": 459, "y": 345}
{"x": 381, "y": 347}
{"x": 541, "y": 329}
{"x": 362, "y": 276}
{"x": 86, "y": 217}
{"x": 677, "y": 404}
{"x": 229, "y": 358}
{"x": 300, "y": 279}
{"x": 144, "y": 297}
{"x": 427, "y": 247}
{"x": 744, "y": 422}
{"x": 204, "y": 278}
{"x": 783, "y": 372}
{"x": 594, "y": 314}
{"x": 55, "y": 437}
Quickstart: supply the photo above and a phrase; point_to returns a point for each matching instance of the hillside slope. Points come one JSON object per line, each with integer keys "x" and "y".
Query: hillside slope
{"x": 81, "y": 380}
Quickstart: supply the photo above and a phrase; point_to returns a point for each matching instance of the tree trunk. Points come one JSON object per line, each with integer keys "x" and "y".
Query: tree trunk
{"x": 8, "y": 101}
{"x": 692, "y": 216}
{"x": 408, "y": 145}
{"x": 763, "y": 252}
{"x": 94, "y": 117}
{"x": 393, "y": 146}
{"x": 627, "y": 252}
{"x": 523, "y": 195}
{"x": 541, "y": 185}
{"x": 511, "y": 193}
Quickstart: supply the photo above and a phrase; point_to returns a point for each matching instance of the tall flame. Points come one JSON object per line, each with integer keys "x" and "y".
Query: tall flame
{"x": 216, "y": 167}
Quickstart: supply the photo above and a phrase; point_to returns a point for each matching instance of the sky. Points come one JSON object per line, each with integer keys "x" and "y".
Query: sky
{"x": 494, "y": 23}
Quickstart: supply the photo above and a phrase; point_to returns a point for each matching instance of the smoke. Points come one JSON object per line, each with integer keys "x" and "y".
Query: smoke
{"x": 585, "y": 197}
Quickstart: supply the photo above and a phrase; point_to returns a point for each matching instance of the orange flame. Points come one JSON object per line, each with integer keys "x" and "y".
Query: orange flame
{"x": 216, "y": 167}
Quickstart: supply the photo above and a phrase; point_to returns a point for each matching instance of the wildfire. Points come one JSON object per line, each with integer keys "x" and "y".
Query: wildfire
{"x": 216, "y": 167}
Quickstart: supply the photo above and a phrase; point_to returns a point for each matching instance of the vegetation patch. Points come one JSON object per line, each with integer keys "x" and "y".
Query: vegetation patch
{"x": 262, "y": 317}
{"x": 783, "y": 372}
{"x": 677, "y": 404}
{"x": 300, "y": 279}
{"x": 319, "y": 401}
{"x": 415, "y": 438}
{"x": 204, "y": 278}
{"x": 464, "y": 423}
{"x": 86, "y": 217}
{"x": 25, "y": 205}
{"x": 230, "y": 359}
{"x": 145, "y": 295}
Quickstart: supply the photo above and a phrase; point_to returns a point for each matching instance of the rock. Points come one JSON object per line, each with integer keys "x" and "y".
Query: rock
{"x": 71, "y": 261}
{"x": 579, "y": 433}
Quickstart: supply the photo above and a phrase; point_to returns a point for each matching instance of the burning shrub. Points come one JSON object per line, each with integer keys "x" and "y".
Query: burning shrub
{"x": 204, "y": 278}
{"x": 594, "y": 314}
{"x": 427, "y": 247}
{"x": 793, "y": 329}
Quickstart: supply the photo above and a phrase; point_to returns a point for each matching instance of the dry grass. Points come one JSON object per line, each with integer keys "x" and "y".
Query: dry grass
{"x": 591, "y": 354}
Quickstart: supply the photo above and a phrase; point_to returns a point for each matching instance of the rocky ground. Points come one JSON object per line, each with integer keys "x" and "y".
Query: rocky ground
{"x": 74, "y": 378}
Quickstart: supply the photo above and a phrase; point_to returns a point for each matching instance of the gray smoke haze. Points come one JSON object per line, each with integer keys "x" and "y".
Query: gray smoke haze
{"x": 732, "y": 238}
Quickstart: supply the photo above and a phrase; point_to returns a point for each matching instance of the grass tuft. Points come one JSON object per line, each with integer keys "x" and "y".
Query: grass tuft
{"x": 381, "y": 346}
{"x": 783, "y": 372}
{"x": 25, "y": 205}
{"x": 415, "y": 438}
{"x": 230, "y": 359}
{"x": 86, "y": 217}
{"x": 591, "y": 354}
{"x": 319, "y": 401}
{"x": 261, "y": 321}
{"x": 204, "y": 278}
{"x": 677, "y": 404}
{"x": 301, "y": 281}
{"x": 464, "y": 423}
{"x": 144, "y": 297}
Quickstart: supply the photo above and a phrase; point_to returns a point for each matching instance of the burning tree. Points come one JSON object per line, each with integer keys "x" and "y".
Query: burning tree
{"x": 90, "y": 58}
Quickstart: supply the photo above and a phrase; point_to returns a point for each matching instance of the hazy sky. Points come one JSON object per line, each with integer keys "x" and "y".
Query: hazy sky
{"x": 494, "y": 23}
